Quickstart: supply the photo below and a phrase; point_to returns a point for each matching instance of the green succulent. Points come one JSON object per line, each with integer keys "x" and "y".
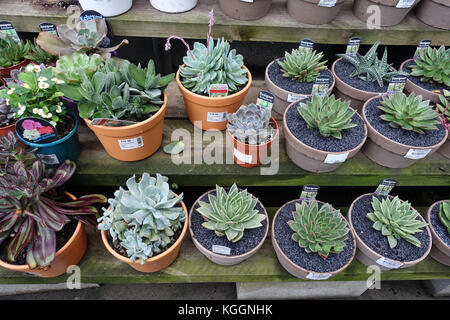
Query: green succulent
{"x": 444, "y": 214}
{"x": 409, "y": 113}
{"x": 444, "y": 107}
{"x": 215, "y": 64}
{"x": 321, "y": 230}
{"x": 396, "y": 220}
{"x": 11, "y": 52}
{"x": 230, "y": 213}
{"x": 302, "y": 65}
{"x": 433, "y": 65}
{"x": 38, "y": 55}
{"x": 329, "y": 115}
{"x": 369, "y": 68}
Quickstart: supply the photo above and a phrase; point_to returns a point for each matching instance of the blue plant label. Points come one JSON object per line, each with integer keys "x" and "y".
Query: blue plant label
{"x": 48, "y": 27}
{"x": 7, "y": 29}
{"x": 306, "y": 44}
{"x": 91, "y": 14}
{"x": 265, "y": 99}
{"x": 423, "y": 45}
{"x": 321, "y": 86}
{"x": 385, "y": 187}
{"x": 353, "y": 46}
{"x": 309, "y": 192}
{"x": 396, "y": 85}
{"x": 36, "y": 130}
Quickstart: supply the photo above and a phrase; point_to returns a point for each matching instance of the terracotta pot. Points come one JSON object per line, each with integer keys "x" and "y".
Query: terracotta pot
{"x": 284, "y": 98}
{"x": 6, "y": 72}
{"x": 296, "y": 270}
{"x": 445, "y": 149}
{"x": 200, "y": 108}
{"x": 135, "y": 142}
{"x": 70, "y": 254}
{"x": 5, "y": 130}
{"x": 390, "y": 15}
{"x": 311, "y": 159}
{"x": 158, "y": 262}
{"x": 248, "y": 155}
{"x": 344, "y": 91}
{"x": 219, "y": 258}
{"x": 389, "y": 153}
{"x": 238, "y": 9}
{"x": 418, "y": 90}
{"x": 368, "y": 257}
{"x": 435, "y": 13}
{"x": 440, "y": 250}
{"x": 309, "y": 12}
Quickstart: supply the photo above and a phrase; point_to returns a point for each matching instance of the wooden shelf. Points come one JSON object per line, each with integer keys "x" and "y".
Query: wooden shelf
{"x": 144, "y": 21}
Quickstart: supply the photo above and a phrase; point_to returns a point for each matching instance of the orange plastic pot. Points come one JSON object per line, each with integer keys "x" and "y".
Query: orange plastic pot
{"x": 135, "y": 142}
{"x": 5, "y": 130}
{"x": 156, "y": 263}
{"x": 6, "y": 72}
{"x": 211, "y": 113}
{"x": 249, "y": 155}
{"x": 70, "y": 254}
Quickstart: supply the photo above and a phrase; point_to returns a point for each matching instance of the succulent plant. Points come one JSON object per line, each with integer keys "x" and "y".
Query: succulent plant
{"x": 11, "y": 152}
{"x": 12, "y": 53}
{"x": 409, "y": 113}
{"x": 322, "y": 230}
{"x": 444, "y": 214}
{"x": 369, "y": 68}
{"x": 231, "y": 213}
{"x": 302, "y": 65}
{"x": 31, "y": 216}
{"x": 144, "y": 218}
{"x": 433, "y": 65}
{"x": 251, "y": 124}
{"x": 329, "y": 115}
{"x": 444, "y": 108}
{"x": 38, "y": 55}
{"x": 396, "y": 219}
{"x": 86, "y": 36}
{"x": 6, "y": 114}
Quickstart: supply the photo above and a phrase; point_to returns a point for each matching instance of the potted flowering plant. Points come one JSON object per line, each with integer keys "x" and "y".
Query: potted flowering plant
{"x": 205, "y": 66}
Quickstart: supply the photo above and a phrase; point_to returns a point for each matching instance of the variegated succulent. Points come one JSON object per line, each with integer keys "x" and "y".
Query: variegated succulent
{"x": 396, "y": 220}
{"x": 409, "y": 113}
{"x": 444, "y": 214}
{"x": 231, "y": 213}
{"x": 302, "y": 65}
{"x": 322, "y": 230}
{"x": 251, "y": 125}
{"x": 11, "y": 52}
{"x": 433, "y": 65}
{"x": 144, "y": 218}
{"x": 329, "y": 115}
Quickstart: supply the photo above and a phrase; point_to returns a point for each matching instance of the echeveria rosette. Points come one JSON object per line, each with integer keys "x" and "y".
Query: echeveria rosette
{"x": 432, "y": 65}
{"x": 302, "y": 65}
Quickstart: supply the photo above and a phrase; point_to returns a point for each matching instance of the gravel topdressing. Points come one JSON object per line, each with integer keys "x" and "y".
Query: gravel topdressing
{"x": 409, "y": 138}
{"x": 438, "y": 226}
{"x": 343, "y": 69}
{"x": 426, "y": 85}
{"x": 351, "y": 138}
{"x": 276, "y": 76}
{"x": 404, "y": 251}
{"x": 298, "y": 255}
{"x": 208, "y": 238}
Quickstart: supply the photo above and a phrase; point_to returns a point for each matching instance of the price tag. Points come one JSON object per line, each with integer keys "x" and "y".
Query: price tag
{"x": 396, "y": 85}
{"x": 321, "y": 86}
{"x": 353, "y": 46}
{"x": 218, "y": 90}
{"x": 129, "y": 144}
{"x": 385, "y": 187}
{"x": 265, "y": 99}
{"x": 7, "y": 29}
{"x": 48, "y": 27}
{"x": 309, "y": 192}
{"x": 404, "y": 4}
{"x": 423, "y": 45}
{"x": 336, "y": 158}
{"x": 388, "y": 263}
{"x": 245, "y": 158}
{"x": 318, "y": 276}
{"x": 327, "y": 3}
{"x": 296, "y": 97}
{"x": 221, "y": 250}
{"x": 417, "y": 154}
{"x": 216, "y": 116}
{"x": 306, "y": 44}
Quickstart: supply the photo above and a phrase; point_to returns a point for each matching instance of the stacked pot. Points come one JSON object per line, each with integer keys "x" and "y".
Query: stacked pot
{"x": 391, "y": 12}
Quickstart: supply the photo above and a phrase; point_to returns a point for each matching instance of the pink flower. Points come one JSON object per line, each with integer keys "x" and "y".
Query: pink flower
{"x": 30, "y": 125}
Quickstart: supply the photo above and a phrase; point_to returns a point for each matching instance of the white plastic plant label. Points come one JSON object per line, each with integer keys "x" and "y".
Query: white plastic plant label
{"x": 50, "y": 159}
{"x": 416, "y": 154}
{"x": 295, "y": 97}
{"x": 404, "y": 4}
{"x": 221, "y": 250}
{"x": 327, "y": 3}
{"x": 318, "y": 276}
{"x": 388, "y": 263}
{"x": 129, "y": 144}
{"x": 245, "y": 158}
{"x": 336, "y": 158}
{"x": 249, "y": 1}
{"x": 216, "y": 116}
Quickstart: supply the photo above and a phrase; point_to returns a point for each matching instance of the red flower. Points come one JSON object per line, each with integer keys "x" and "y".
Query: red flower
{"x": 45, "y": 130}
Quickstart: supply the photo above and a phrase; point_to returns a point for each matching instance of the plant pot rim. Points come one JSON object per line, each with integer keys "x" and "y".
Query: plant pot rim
{"x": 207, "y": 99}
{"x": 391, "y": 3}
{"x": 113, "y": 130}
{"x": 366, "y": 247}
{"x": 288, "y": 132}
{"x": 224, "y": 257}
{"x": 277, "y": 130}
{"x": 278, "y": 249}
{"x": 176, "y": 244}
{"x": 397, "y": 144}
{"x": 428, "y": 219}
{"x": 25, "y": 268}
{"x": 16, "y": 66}
{"x": 285, "y": 92}
{"x": 9, "y": 127}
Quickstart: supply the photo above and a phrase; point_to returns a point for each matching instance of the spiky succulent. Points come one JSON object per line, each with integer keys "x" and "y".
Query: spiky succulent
{"x": 144, "y": 218}
{"x": 322, "y": 230}
{"x": 444, "y": 214}
{"x": 86, "y": 36}
{"x": 433, "y": 65}
{"x": 329, "y": 115}
{"x": 251, "y": 124}
{"x": 6, "y": 114}
{"x": 409, "y": 113}
{"x": 444, "y": 108}
{"x": 369, "y": 68}
{"x": 302, "y": 65}
{"x": 396, "y": 220}
{"x": 38, "y": 55}
{"x": 11, "y": 52}
{"x": 231, "y": 213}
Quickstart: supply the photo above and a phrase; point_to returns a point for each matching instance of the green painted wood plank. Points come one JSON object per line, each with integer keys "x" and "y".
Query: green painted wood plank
{"x": 143, "y": 20}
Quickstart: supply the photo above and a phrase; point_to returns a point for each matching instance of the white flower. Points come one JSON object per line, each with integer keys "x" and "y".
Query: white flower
{"x": 31, "y": 134}
{"x": 58, "y": 109}
{"x": 43, "y": 85}
{"x": 26, "y": 85}
{"x": 36, "y": 110}
{"x": 42, "y": 79}
{"x": 29, "y": 68}
{"x": 57, "y": 81}
{"x": 11, "y": 91}
{"x": 53, "y": 123}
{"x": 47, "y": 115}
{"x": 36, "y": 68}
{"x": 20, "y": 112}
{"x": 22, "y": 107}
